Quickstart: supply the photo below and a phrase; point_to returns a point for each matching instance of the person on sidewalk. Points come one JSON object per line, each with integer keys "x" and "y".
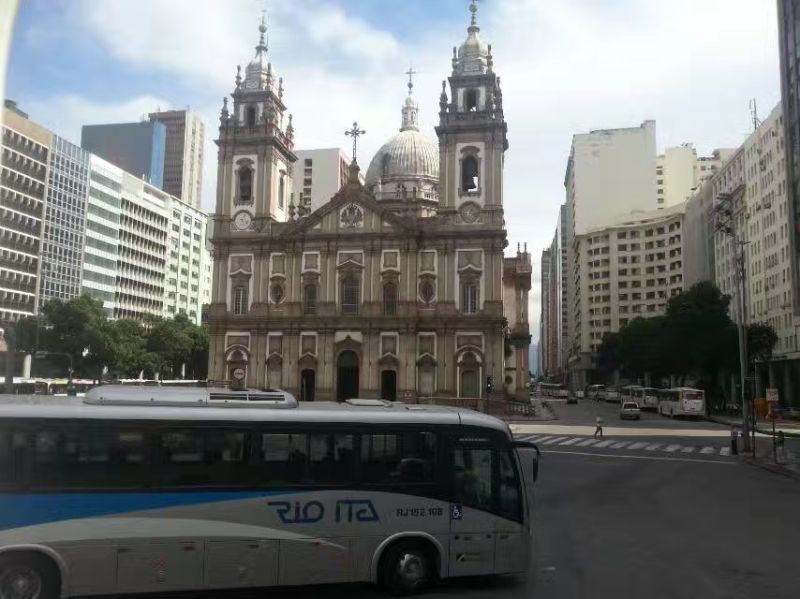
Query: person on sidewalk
{"x": 734, "y": 440}
{"x": 599, "y": 428}
{"x": 780, "y": 443}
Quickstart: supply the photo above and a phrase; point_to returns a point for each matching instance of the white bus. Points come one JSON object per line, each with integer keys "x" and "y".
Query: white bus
{"x": 553, "y": 390}
{"x": 630, "y": 393}
{"x": 681, "y": 401}
{"x": 137, "y": 489}
{"x": 647, "y": 398}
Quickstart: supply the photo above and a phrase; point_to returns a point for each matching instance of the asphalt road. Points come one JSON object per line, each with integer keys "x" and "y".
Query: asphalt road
{"x": 646, "y": 519}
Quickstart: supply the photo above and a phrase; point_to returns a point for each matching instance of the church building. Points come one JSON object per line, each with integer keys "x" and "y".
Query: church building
{"x": 395, "y": 289}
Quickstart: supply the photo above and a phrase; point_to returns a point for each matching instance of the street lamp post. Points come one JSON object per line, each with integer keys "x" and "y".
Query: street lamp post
{"x": 726, "y": 223}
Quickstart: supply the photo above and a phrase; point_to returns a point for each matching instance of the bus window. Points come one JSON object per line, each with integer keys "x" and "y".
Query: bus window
{"x": 203, "y": 457}
{"x": 308, "y": 458}
{"x": 472, "y": 474}
{"x": 398, "y": 457}
{"x": 510, "y": 504}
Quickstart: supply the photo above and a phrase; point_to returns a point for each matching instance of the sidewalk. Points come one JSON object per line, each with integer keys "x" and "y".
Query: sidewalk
{"x": 765, "y": 458}
{"x": 790, "y": 428}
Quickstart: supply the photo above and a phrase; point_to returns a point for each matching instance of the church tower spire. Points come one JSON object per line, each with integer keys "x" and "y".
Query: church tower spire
{"x": 256, "y": 145}
{"x": 472, "y": 131}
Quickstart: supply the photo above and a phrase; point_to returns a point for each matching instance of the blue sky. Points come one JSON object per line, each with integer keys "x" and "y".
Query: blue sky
{"x": 567, "y": 66}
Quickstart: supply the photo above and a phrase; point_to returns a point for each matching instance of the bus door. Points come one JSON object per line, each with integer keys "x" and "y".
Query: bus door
{"x": 472, "y": 523}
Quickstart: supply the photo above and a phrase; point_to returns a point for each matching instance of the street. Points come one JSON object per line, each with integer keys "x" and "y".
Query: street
{"x": 650, "y": 519}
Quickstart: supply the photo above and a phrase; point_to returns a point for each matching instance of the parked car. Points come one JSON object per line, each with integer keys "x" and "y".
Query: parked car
{"x": 611, "y": 395}
{"x": 630, "y": 410}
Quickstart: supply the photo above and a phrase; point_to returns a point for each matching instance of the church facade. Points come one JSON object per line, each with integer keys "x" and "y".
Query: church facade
{"x": 397, "y": 288}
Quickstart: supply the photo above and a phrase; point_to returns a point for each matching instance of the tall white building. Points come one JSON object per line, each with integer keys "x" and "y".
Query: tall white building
{"x": 679, "y": 172}
{"x": 101, "y": 250}
{"x": 183, "y": 155}
{"x": 318, "y": 175}
{"x": 623, "y": 271}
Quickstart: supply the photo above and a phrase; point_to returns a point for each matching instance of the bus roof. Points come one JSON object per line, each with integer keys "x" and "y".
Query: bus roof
{"x": 52, "y": 407}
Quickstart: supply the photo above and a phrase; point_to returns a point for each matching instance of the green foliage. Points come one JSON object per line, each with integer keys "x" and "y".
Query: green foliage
{"x": 126, "y": 348}
{"x": 761, "y": 339}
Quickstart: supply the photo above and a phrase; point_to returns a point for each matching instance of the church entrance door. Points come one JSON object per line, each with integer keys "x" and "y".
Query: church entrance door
{"x": 347, "y": 376}
{"x": 307, "y": 385}
{"x": 389, "y": 385}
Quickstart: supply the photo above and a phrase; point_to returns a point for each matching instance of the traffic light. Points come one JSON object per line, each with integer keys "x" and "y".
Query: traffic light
{"x": 489, "y": 384}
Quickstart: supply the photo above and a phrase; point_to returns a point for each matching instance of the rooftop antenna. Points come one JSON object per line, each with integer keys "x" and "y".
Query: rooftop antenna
{"x": 754, "y": 114}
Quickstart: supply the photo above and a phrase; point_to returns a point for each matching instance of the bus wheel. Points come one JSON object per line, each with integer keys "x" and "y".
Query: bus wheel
{"x": 407, "y": 568}
{"x": 28, "y": 577}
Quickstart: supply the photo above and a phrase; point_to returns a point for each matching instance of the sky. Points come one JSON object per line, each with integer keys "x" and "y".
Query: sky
{"x": 567, "y": 67}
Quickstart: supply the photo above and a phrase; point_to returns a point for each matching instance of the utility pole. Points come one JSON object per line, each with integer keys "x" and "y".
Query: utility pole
{"x": 723, "y": 209}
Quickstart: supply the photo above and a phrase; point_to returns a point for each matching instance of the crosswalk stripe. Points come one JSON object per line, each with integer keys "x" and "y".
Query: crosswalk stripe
{"x": 725, "y": 451}
{"x": 638, "y": 445}
{"x": 528, "y": 438}
{"x": 604, "y": 444}
{"x": 707, "y": 449}
{"x": 536, "y": 437}
{"x": 586, "y": 443}
{"x": 554, "y": 440}
{"x": 620, "y": 444}
{"x": 671, "y": 448}
{"x": 687, "y": 449}
{"x": 652, "y": 447}
{"x": 571, "y": 441}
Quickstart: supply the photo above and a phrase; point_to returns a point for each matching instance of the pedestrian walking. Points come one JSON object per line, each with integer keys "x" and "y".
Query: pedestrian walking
{"x": 780, "y": 441}
{"x": 599, "y": 428}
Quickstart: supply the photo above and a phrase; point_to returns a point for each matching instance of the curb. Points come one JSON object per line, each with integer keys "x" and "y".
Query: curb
{"x": 774, "y": 468}
{"x": 759, "y": 428}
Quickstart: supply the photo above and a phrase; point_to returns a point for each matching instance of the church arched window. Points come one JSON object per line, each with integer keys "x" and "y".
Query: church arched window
{"x": 469, "y": 173}
{"x": 245, "y": 185}
{"x": 471, "y": 100}
{"x": 389, "y": 299}
{"x": 250, "y": 116}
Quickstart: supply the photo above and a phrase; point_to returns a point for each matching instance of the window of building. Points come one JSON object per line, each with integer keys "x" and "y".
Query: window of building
{"x": 276, "y": 293}
{"x": 469, "y": 297}
{"x": 469, "y": 174}
{"x": 471, "y": 100}
{"x": 245, "y": 185}
{"x": 351, "y": 292}
{"x": 281, "y": 190}
{"x": 250, "y": 116}
{"x": 310, "y": 299}
{"x": 426, "y": 291}
{"x": 240, "y": 304}
{"x": 389, "y": 299}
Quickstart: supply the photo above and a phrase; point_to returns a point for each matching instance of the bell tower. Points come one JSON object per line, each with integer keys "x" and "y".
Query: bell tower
{"x": 472, "y": 134}
{"x": 256, "y": 143}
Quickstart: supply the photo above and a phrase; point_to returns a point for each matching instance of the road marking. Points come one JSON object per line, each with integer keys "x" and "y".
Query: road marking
{"x": 707, "y": 449}
{"x": 529, "y": 438}
{"x": 604, "y": 444}
{"x": 672, "y": 448}
{"x": 644, "y": 457}
{"x": 586, "y": 443}
{"x": 687, "y": 449}
{"x": 571, "y": 441}
{"x": 554, "y": 440}
{"x": 652, "y": 447}
{"x": 638, "y": 445}
{"x": 620, "y": 445}
{"x": 725, "y": 451}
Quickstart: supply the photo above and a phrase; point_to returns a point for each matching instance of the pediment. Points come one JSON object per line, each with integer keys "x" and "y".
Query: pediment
{"x": 352, "y": 211}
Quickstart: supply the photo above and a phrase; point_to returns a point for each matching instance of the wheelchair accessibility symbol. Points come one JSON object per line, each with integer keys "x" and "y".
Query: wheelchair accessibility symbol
{"x": 456, "y": 511}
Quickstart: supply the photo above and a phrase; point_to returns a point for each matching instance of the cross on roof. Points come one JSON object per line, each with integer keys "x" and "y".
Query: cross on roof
{"x": 355, "y": 132}
{"x": 410, "y": 72}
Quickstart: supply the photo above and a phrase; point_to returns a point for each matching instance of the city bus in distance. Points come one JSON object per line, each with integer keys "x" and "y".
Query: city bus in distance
{"x": 149, "y": 489}
{"x": 552, "y": 390}
{"x": 594, "y": 391}
{"x": 630, "y": 393}
{"x": 646, "y": 397}
{"x": 681, "y": 401}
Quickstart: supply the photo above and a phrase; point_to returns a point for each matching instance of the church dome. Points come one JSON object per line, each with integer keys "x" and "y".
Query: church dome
{"x": 407, "y": 155}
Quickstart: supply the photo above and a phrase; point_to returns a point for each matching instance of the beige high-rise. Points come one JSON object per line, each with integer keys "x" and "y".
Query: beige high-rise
{"x": 183, "y": 156}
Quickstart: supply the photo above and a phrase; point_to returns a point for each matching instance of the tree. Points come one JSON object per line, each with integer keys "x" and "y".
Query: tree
{"x": 78, "y": 328}
{"x": 129, "y": 339}
{"x": 761, "y": 339}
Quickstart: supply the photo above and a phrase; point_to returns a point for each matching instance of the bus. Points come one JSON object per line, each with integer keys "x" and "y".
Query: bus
{"x": 142, "y": 489}
{"x": 681, "y": 401}
{"x": 646, "y": 397}
{"x": 552, "y": 390}
{"x": 630, "y": 393}
{"x": 594, "y": 391}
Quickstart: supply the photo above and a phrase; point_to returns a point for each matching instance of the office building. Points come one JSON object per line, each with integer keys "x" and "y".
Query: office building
{"x": 137, "y": 148}
{"x": 318, "y": 175}
{"x": 63, "y": 233}
{"x": 680, "y": 172}
{"x": 103, "y": 214}
{"x": 624, "y": 271}
{"x": 23, "y": 193}
{"x": 183, "y": 155}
